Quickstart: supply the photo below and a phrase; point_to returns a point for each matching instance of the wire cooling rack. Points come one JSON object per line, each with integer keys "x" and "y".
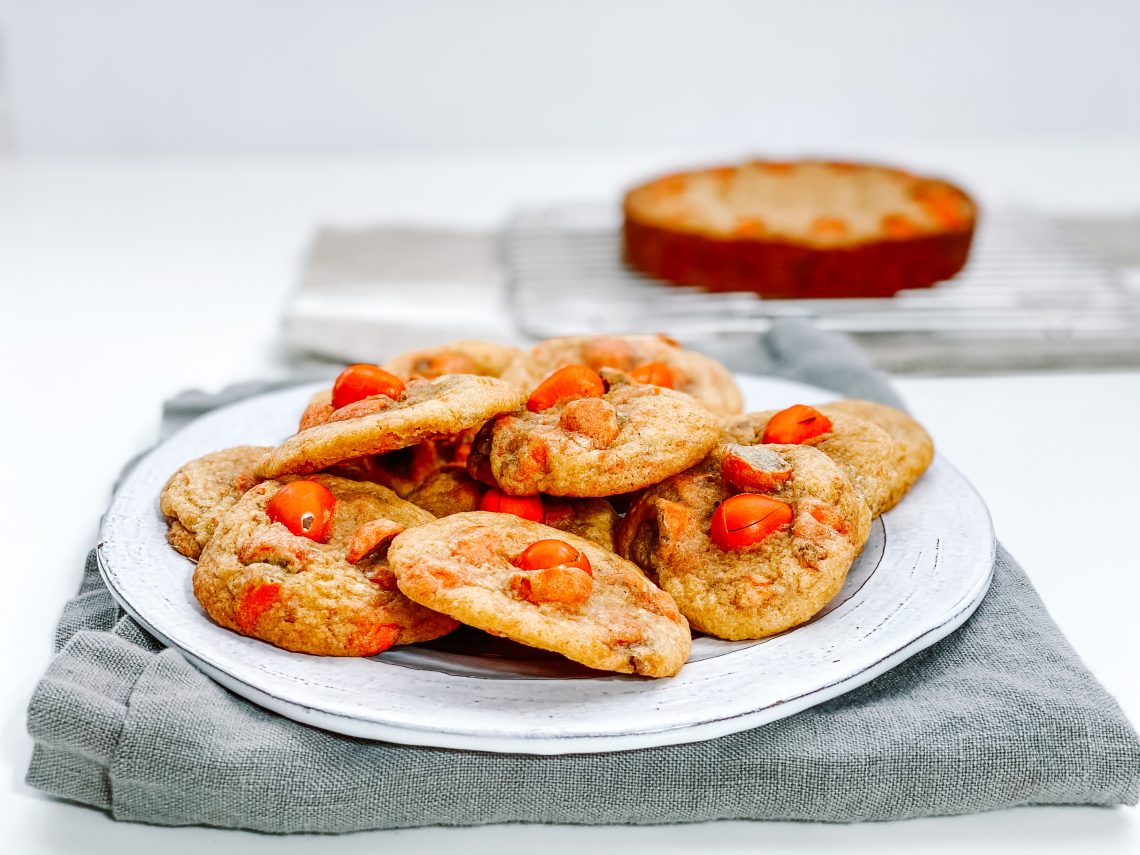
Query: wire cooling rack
{"x": 1030, "y": 296}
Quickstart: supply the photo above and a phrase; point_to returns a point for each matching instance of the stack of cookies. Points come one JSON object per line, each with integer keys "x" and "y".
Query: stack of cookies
{"x": 599, "y": 497}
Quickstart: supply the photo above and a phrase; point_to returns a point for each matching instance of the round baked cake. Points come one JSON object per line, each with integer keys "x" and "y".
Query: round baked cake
{"x": 806, "y": 229}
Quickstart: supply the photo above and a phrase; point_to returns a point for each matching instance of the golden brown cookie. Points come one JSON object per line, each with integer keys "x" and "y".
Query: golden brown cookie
{"x": 872, "y": 460}
{"x": 918, "y": 447}
{"x": 726, "y": 584}
{"x": 337, "y": 598}
{"x": 465, "y": 356}
{"x": 426, "y": 410}
{"x": 693, "y": 373}
{"x": 611, "y": 618}
{"x": 631, "y": 436}
{"x": 200, "y": 493}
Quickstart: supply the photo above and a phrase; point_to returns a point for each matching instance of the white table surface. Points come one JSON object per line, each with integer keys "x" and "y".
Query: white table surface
{"x": 124, "y": 283}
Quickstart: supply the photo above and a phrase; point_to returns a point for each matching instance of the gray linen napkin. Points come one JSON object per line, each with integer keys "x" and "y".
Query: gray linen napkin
{"x": 1001, "y": 713}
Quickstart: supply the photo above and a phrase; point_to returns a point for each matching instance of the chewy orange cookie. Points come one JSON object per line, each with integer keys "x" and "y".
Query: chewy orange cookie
{"x": 371, "y": 411}
{"x": 917, "y": 446}
{"x": 304, "y": 566}
{"x": 753, "y": 541}
{"x": 545, "y": 588}
{"x": 200, "y": 493}
{"x": 654, "y": 359}
{"x": 589, "y": 434}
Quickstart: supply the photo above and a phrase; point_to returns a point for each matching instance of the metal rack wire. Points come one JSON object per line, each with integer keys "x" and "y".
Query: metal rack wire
{"x": 1026, "y": 280}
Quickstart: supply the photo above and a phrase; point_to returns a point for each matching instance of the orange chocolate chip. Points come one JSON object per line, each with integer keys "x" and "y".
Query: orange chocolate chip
{"x": 369, "y": 640}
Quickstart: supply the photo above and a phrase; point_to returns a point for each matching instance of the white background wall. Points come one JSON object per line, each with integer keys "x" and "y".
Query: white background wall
{"x": 206, "y": 77}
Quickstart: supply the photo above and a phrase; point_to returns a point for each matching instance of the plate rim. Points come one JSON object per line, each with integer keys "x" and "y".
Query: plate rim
{"x": 433, "y": 735}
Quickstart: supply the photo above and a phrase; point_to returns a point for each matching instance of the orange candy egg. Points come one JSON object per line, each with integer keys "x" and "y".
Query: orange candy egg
{"x": 566, "y": 384}
{"x": 797, "y": 424}
{"x": 361, "y": 381}
{"x": 527, "y": 507}
{"x": 746, "y": 519}
{"x": 305, "y": 508}
{"x": 543, "y": 554}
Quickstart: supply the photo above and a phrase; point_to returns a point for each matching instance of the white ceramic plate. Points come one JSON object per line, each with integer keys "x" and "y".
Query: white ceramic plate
{"x": 924, "y": 570}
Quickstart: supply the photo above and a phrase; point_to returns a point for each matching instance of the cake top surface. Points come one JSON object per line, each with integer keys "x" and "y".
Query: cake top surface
{"x": 820, "y": 203}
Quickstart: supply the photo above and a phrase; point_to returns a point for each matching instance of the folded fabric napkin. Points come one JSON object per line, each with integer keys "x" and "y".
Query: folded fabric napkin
{"x": 1000, "y": 713}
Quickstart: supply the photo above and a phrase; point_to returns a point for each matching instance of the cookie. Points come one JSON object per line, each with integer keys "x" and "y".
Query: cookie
{"x": 465, "y": 356}
{"x": 918, "y": 447}
{"x": 406, "y": 470}
{"x": 451, "y": 490}
{"x": 611, "y": 618}
{"x": 593, "y": 519}
{"x": 200, "y": 493}
{"x": 336, "y": 598}
{"x": 872, "y": 460}
{"x": 448, "y": 490}
{"x": 618, "y": 439}
{"x": 425, "y": 410}
{"x": 652, "y": 358}
{"x": 742, "y": 581}
{"x": 389, "y": 470}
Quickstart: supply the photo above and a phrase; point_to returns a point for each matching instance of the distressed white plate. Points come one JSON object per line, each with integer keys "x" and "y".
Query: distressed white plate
{"x": 924, "y": 570}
